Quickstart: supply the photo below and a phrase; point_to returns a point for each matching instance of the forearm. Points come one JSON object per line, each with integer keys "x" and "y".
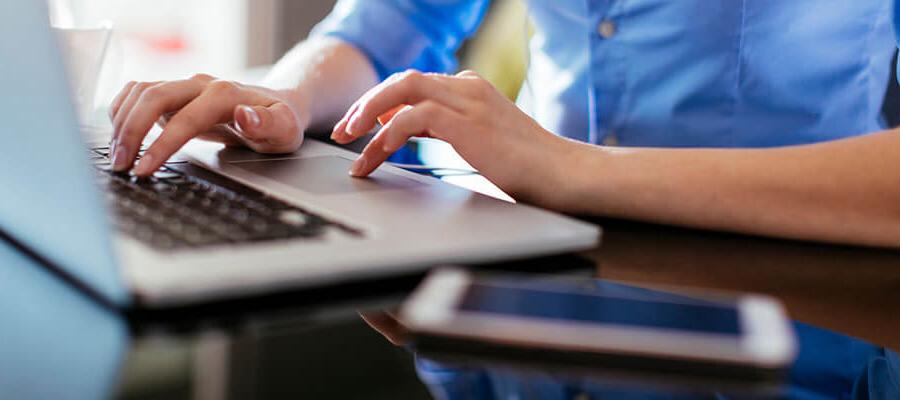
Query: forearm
{"x": 324, "y": 76}
{"x": 845, "y": 191}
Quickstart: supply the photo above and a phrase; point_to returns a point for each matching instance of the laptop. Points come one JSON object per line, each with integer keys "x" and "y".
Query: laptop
{"x": 229, "y": 223}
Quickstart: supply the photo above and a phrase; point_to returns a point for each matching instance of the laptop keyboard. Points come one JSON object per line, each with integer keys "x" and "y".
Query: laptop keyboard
{"x": 177, "y": 209}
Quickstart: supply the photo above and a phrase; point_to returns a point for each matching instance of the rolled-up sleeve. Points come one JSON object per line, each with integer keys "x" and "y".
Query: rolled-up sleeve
{"x": 402, "y": 34}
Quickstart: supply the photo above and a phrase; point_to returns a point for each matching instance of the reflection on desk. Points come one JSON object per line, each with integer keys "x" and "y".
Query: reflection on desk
{"x": 56, "y": 343}
{"x": 829, "y": 366}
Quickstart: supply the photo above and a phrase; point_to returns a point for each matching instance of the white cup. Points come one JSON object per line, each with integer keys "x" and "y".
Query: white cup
{"x": 84, "y": 50}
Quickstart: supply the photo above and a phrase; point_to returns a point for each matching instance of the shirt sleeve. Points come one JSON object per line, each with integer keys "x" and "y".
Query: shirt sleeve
{"x": 400, "y": 34}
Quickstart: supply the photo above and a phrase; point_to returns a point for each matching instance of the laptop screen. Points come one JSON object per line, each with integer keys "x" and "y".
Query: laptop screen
{"x": 48, "y": 202}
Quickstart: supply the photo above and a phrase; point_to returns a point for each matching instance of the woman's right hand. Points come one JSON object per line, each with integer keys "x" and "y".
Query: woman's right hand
{"x": 265, "y": 120}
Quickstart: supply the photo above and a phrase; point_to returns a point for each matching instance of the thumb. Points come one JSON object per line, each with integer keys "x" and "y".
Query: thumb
{"x": 273, "y": 129}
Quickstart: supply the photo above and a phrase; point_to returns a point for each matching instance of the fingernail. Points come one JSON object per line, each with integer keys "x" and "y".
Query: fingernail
{"x": 339, "y": 123}
{"x": 353, "y": 126}
{"x": 120, "y": 158}
{"x": 358, "y": 166}
{"x": 145, "y": 165}
{"x": 252, "y": 116}
{"x": 334, "y": 131}
{"x": 112, "y": 146}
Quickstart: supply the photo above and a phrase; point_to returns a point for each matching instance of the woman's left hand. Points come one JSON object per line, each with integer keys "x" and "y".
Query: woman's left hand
{"x": 484, "y": 127}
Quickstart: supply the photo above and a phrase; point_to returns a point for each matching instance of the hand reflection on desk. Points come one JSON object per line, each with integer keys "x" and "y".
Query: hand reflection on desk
{"x": 829, "y": 366}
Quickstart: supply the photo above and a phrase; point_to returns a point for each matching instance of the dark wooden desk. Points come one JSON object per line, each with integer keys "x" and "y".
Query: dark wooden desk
{"x": 852, "y": 290}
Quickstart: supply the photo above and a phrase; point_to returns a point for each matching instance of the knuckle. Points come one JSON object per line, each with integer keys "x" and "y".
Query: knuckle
{"x": 201, "y": 77}
{"x": 411, "y": 76}
{"x": 430, "y": 107}
{"x": 483, "y": 83}
{"x": 141, "y": 86}
{"x": 481, "y": 87}
{"x": 222, "y": 87}
{"x": 399, "y": 76}
{"x": 152, "y": 94}
{"x": 130, "y": 85}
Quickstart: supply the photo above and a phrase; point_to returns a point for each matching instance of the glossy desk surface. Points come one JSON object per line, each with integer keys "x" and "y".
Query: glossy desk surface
{"x": 56, "y": 343}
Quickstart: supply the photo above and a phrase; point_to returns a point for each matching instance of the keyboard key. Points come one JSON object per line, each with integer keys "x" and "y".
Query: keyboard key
{"x": 171, "y": 210}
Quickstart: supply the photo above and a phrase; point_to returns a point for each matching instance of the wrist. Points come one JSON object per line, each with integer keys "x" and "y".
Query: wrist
{"x": 580, "y": 178}
{"x": 299, "y": 101}
{"x": 556, "y": 175}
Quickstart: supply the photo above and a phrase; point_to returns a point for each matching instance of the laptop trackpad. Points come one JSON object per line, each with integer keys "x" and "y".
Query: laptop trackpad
{"x": 325, "y": 175}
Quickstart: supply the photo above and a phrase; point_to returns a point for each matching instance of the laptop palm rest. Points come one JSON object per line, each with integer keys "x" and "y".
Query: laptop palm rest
{"x": 324, "y": 175}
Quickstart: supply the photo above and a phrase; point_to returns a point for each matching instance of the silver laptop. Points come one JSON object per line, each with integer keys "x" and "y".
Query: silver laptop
{"x": 230, "y": 222}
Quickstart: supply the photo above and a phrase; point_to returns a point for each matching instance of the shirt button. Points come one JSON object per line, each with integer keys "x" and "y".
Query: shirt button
{"x": 582, "y": 396}
{"x": 607, "y": 29}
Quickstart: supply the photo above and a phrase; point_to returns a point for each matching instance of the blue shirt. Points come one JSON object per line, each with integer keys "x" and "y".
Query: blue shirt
{"x": 722, "y": 73}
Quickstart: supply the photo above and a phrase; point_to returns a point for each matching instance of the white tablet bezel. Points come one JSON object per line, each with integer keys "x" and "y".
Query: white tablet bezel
{"x": 767, "y": 341}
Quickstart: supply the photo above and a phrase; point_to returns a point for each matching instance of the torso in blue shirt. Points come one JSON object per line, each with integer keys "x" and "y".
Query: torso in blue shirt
{"x": 723, "y": 73}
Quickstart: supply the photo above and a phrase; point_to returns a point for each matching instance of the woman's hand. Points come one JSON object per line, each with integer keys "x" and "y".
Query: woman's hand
{"x": 266, "y": 120}
{"x": 484, "y": 127}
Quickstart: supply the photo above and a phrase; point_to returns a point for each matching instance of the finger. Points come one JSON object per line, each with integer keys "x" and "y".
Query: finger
{"x": 128, "y": 103}
{"x": 273, "y": 129}
{"x": 340, "y": 136}
{"x": 119, "y": 99}
{"x": 383, "y": 119}
{"x": 339, "y": 133}
{"x": 372, "y": 156}
{"x": 215, "y": 105}
{"x": 428, "y": 118}
{"x": 387, "y": 325}
{"x": 119, "y": 156}
{"x": 411, "y": 88}
{"x": 150, "y": 106}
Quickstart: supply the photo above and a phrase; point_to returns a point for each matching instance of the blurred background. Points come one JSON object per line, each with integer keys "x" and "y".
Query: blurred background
{"x": 237, "y": 39}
